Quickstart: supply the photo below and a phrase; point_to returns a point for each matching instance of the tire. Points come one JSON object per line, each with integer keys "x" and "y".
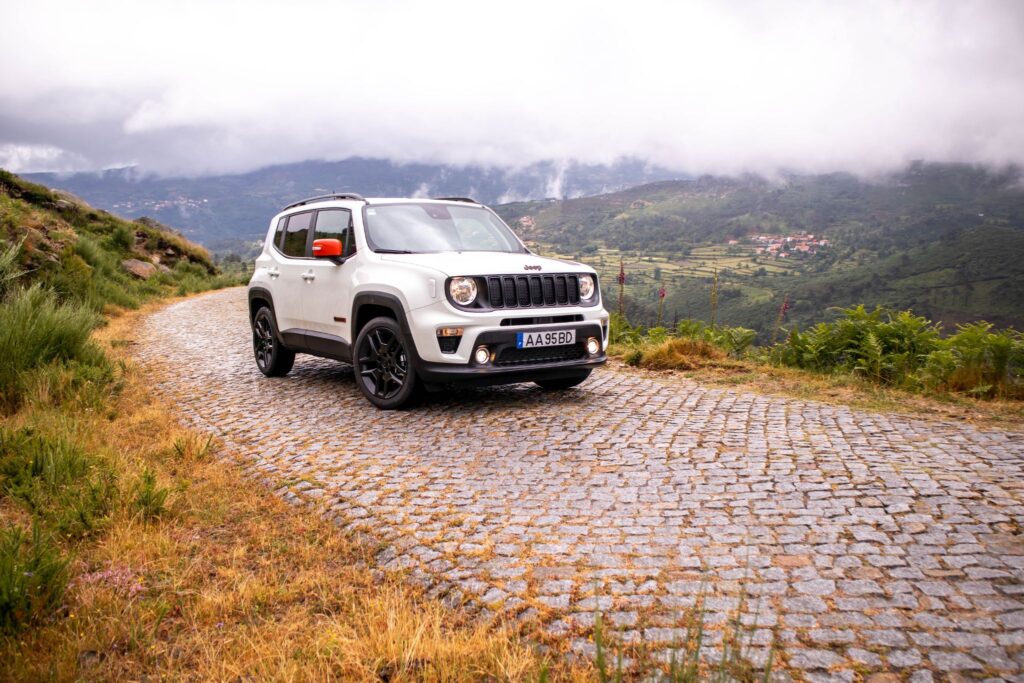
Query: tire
{"x": 564, "y": 382}
{"x": 383, "y": 365}
{"x": 272, "y": 358}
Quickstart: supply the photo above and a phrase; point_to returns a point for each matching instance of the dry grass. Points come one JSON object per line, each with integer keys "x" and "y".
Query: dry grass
{"x": 681, "y": 354}
{"x": 230, "y": 583}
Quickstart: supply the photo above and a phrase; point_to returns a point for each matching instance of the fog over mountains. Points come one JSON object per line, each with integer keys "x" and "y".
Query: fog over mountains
{"x": 190, "y": 89}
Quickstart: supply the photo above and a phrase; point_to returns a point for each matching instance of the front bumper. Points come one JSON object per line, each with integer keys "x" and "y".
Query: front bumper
{"x": 497, "y": 330}
{"x": 510, "y": 365}
{"x": 424, "y": 323}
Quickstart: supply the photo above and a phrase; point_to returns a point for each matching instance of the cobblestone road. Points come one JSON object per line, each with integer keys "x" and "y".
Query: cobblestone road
{"x": 867, "y": 542}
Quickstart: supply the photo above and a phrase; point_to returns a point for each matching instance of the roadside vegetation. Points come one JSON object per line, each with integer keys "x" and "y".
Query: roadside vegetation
{"x": 128, "y": 548}
{"x": 99, "y": 261}
{"x": 879, "y": 358}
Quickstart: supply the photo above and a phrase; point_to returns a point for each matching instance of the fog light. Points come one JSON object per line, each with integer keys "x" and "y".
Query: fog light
{"x": 482, "y": 355}
{"x": 593, "y": 346}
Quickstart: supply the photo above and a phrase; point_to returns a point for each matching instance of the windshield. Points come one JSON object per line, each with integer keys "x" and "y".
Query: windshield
{"x": 427, "y": 228}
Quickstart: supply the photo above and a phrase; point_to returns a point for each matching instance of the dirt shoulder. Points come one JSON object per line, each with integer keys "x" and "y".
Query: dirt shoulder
{"x": 230, "y": 582}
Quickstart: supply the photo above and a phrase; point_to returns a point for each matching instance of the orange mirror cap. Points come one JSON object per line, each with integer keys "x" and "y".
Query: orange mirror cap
{"x": 326, "y": 248}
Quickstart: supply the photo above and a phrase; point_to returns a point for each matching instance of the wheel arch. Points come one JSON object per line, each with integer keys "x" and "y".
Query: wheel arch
{"x": 260, "y": 297}
{"x": 369, "y": 305}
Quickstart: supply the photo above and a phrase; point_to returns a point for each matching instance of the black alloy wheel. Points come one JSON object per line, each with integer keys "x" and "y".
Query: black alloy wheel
{"x": 383, "y": 365}
{"x": 273, "y": 359}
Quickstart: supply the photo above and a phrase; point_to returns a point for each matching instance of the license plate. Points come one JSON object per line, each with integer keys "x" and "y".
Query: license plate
{"x": 530, "y": 340}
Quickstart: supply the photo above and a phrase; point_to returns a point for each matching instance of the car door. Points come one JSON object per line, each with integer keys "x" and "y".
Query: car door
{"x": 293, "y": 264}
{"x": 328, "y": 298}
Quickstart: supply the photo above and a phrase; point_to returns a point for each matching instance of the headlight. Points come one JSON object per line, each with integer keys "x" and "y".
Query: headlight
{"x": 587, "y": 287}
{"x": 463, "y": 290}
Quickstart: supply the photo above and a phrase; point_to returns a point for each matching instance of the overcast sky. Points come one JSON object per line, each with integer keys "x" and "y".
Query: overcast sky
{"x": 721, "y": 87}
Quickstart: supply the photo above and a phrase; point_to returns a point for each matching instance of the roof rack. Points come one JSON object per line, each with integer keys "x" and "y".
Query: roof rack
{"x": 326, "y": 198}
{"x": 457, "y": 199}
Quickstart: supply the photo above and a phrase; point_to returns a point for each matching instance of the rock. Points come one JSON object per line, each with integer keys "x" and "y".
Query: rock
{"x": 139, "y": 269}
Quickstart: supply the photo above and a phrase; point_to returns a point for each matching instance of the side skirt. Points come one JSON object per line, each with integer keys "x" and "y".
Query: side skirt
{"x": 318, "y": 344}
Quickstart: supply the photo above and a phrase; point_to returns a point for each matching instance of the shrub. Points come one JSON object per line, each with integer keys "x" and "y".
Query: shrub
{"x": 36, "y": 329}
{"x": 149, "y": 498}
{"x": 680, "y": 354}
{"x": 978, "y": 361}
{"x": 901, "y": 349}
{"x": 621, "y": 332}
{"x": 33, "y": 578}
{"x": 122, "y": 237}
{"x": 73, "y": 278}
{"x": 59, "y": 483}
{"x": 92, "y": 253}
{"x": 736, "y": 341}
{"x": 690, "y": 345}
{"x": 10, "y": 269}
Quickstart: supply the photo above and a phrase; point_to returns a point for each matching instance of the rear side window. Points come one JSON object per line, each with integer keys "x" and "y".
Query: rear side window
{"x": 336, "y": 224}
{"x": 279, "y": 233}
{"x": 296, "y": 233}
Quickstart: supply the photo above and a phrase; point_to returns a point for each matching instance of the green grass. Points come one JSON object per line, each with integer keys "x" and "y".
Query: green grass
{"x": 38, "y": 330}
{"x": 68, "y": 489}
{"x": 60, "y": 266}
{"x": 33, "y": 578}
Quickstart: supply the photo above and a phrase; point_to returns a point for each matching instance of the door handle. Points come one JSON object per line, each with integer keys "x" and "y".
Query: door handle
{"x": 273, "y": 272}
{"x": 308, "y": 276}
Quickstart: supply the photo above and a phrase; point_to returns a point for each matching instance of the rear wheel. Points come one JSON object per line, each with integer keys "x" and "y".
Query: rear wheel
{"x": 272, "y": 358}
{"x": 563, "y": 382}
{"x": 383, "y": 365}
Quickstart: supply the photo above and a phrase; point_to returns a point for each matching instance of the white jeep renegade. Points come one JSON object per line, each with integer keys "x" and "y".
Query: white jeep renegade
{"x": 418, "y": 294}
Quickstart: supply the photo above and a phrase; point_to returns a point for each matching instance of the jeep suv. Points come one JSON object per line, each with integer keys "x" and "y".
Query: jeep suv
{"x": 419, "y": 294}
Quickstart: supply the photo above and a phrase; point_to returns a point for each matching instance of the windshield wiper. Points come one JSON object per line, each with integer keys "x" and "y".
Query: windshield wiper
{"x": 392, "y": 251}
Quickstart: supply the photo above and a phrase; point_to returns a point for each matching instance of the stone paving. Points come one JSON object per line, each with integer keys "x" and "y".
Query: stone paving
{"x": 863, "y": 542}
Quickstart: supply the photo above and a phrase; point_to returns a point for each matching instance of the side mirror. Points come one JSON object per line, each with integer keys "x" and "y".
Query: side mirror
{"x": 327, "y": 249}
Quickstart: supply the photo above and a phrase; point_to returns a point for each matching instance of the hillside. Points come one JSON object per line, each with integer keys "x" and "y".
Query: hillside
{"x": 227, "y": 211}
{"x": 88, "y": 255}
{"x": 944, "y": 240}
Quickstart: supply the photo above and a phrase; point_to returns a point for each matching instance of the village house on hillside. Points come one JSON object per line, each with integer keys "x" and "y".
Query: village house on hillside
{"x": 782, "y": 246}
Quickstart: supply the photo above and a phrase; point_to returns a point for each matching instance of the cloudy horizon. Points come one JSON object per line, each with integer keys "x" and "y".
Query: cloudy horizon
{"x": 701, "y": 87}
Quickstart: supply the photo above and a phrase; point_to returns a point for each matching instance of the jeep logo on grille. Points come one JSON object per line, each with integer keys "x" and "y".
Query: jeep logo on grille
{"x": 531, "y": 267}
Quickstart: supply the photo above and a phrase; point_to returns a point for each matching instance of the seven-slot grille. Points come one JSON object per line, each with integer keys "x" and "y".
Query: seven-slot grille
{"x": 533, "y": 291}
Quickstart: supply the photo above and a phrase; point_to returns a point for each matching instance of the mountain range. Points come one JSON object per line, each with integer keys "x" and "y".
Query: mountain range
{"x": 224, "y": 211}
{"x": 945, "y": 240}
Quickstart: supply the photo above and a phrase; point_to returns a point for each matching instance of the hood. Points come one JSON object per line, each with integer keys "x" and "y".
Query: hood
{"x": 488, "y": 263}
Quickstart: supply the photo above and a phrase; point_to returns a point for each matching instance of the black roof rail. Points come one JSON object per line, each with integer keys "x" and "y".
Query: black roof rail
{"x": 456, "y": 199}
{"x": 326, "y": 198}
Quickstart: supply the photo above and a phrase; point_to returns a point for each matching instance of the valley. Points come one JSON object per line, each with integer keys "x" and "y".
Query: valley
{"x": 943, "y": 240}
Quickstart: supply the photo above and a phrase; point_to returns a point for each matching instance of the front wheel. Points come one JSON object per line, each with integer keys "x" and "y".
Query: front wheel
{"x": 383, "y": 367}
{"x": 563, "y": 382}
{"x": 272, "y": 358}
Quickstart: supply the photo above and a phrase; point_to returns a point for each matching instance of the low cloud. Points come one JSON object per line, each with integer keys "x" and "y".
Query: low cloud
{"x": 193, "y": 88}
